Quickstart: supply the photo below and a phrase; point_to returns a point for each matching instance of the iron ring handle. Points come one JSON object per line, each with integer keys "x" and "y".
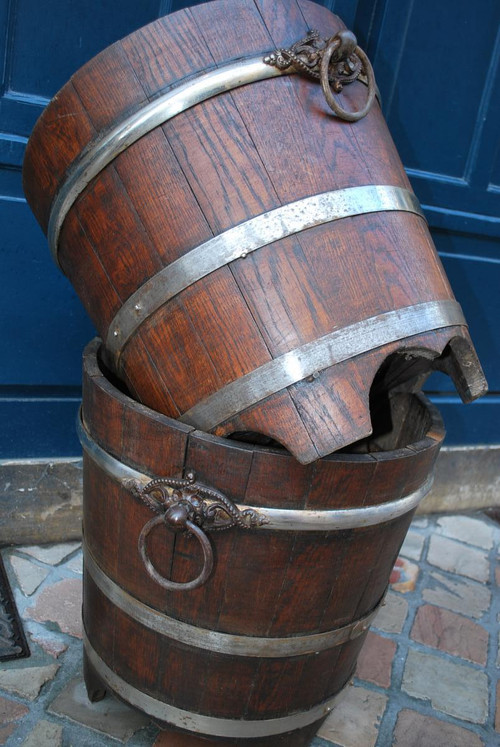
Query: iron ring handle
{"x": 208, "y": 556}
{"x": 325, "y": 82}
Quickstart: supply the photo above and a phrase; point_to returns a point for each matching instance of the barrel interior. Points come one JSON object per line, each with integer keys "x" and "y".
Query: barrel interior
{"x": 399, "y": 419}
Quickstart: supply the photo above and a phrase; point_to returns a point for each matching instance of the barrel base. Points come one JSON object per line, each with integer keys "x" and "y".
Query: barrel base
{"x": 96, "y": 689}
{"x": 100, "y": 680}
{"x": 300, "y": 738}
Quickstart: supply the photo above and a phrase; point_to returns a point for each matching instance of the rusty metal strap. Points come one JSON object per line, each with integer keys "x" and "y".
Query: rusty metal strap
{"x": 222, "y": 643}
{"x": 238, "y": 242}
{"x": 200, "y": 723}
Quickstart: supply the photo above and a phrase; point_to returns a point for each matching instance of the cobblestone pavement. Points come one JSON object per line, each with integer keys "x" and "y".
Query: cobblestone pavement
{"x": 427, "y": 676}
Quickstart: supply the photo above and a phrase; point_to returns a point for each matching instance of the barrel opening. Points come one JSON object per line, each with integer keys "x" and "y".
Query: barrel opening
{"x": 409, "y": 369}
{"x": 254, "y": 438}
{"x": 398, "y": 414}
{"x": 107, "y": 370}
{"x": 401, "y": 419}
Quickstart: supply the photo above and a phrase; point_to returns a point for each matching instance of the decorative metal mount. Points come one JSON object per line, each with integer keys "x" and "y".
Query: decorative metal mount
{"x": 335, "y": 62}
{"x": 183, "y": 505}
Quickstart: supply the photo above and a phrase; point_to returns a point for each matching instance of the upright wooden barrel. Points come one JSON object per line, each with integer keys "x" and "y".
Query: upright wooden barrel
{"x": 249, "y": 258}
{"x": 252, "y": 632}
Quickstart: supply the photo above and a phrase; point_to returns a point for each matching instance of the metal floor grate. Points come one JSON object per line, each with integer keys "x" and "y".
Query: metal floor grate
{"x": 13, "y": 644}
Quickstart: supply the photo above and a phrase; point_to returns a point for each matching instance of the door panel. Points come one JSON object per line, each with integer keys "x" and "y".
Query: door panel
{"x": 437, "y": 70}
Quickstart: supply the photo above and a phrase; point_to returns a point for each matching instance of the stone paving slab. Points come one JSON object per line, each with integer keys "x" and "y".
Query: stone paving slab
{"x": 413, "y": 545}
{"x": 404, "y": 575}
{"x": 457, "y": 594}
{"x": 455, "y": 557}
{"x": 109, "y": 716}
{"x": 44, "y": 734}
{"x": 52, "y": 554}
{"x": 427, "y": 676}
{"x": 447, "y": 631}
{"x": 375, "y": 660}
{"x": 27, "y": 681}
{"x": 451, "y": 687}
{"x": 354, "y": 722}
{"x": 60, "y": 604}
{"x": 28, "y": 575}
{"x": 10, "y": 712}
{"x": 416, "y": 730}
{"x": 467, "y": 529}
{"x": 392, "y": 615}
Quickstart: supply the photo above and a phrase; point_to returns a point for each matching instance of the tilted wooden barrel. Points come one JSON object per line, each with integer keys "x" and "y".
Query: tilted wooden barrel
{"x": 252, "y": 632}
{"x": 249, "y": 258}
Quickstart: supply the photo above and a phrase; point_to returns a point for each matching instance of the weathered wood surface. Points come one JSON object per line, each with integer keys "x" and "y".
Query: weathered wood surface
{"x": 270, "y": 584}
{"x": 229, "y": 159}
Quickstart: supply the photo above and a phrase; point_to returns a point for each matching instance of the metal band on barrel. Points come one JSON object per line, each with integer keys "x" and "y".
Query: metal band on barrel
{"x": 277, "y": 519}
{"x": 198, "y": 722}
{"x": 315, "y": 356}
{"x": 212, "y": 640}
{"x": 238, "y": 242}
{"x": 103, "y": 150}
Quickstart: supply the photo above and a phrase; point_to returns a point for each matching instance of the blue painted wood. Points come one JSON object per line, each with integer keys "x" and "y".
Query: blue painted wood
{"x": 444, "y": 114}
{"x": 34, "y": 426}
{"x": 472, "y": 263}
{"x": 479, "y": 420}
{"x": 43, "y": 326}
{"x": 437, "y": 66}
{"x": 441, "y": 109}
{"x": 345, "y": 9}
{"x": 72, "y": 32}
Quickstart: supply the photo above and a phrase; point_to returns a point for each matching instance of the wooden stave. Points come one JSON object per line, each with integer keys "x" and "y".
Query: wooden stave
{"x": 295, "y": 418}
{"x": 109, "y": 524}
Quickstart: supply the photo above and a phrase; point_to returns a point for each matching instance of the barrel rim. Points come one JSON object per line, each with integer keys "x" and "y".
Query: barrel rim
{"x": 106, "y": 146}
{"x": 270, "y": 518}
{"x": 92, "y": 366}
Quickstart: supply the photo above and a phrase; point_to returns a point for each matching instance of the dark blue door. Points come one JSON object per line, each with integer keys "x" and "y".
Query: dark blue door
{"x": 437, "y": 66}
{"x": 437, "y": 69}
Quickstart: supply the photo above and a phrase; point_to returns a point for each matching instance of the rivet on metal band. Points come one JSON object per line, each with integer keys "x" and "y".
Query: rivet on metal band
{"x": 315, "y": 356}
{"x": 274, "y": 519}
{"x": 198, "y": 722}
{"x": 212, "y": 640}
{"x": 238, "y": 242}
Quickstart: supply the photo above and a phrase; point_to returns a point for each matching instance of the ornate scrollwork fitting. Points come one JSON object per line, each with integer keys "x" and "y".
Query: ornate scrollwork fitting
{"x": 335, "y": 62}
{"x": 205, "y": 507}
{"x": 183, "y": 505}
{"x": 306, "y": 54}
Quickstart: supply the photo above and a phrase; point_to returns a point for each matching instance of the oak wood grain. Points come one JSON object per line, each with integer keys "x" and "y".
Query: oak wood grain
{"x": 264, "y": 583}
{"x": 222, "y": 162}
